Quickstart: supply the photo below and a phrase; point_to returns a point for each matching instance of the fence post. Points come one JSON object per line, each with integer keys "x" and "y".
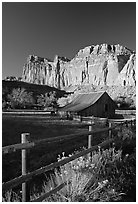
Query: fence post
{"x": 90, "y": 138}
{"x": 126, "y": 123}
{"x": 110, "y": 131}
{"x": 25, "y": 191}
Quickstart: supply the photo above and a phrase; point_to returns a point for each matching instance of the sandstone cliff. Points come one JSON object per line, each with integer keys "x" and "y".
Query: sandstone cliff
{"x": 98, "y": 65}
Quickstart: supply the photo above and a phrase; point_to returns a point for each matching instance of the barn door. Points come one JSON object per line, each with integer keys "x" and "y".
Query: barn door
{"x": 106, "y": 109}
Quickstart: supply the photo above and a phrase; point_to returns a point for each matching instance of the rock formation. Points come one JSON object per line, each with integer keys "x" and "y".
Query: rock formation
{"x": 98, "y": 65}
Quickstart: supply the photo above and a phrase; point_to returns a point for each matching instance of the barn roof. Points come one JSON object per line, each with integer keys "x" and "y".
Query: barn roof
{"x": 82, "y": 101}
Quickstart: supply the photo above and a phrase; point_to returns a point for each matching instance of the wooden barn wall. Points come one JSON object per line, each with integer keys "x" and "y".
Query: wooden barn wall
{"x": 98, "y": 109}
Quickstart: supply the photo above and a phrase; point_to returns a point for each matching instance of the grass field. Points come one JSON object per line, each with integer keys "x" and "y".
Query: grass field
{"x": 41, "y": 127}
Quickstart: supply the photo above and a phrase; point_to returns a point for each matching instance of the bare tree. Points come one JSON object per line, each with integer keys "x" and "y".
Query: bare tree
{"x": 20, "y": 98}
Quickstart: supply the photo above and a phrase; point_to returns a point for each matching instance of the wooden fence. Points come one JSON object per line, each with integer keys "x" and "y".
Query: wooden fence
{"x": 125, "y": 112}
{"x": 26, "y": 144}
{"x": 92, "y": 119}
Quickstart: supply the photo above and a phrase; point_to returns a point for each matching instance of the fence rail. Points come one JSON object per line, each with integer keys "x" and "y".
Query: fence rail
{"x": 15, "y": 147}
{"x": 21, "y": 179}
{"x": 117, "y": 111}
{"x": 24, "y": 178}
{"x": 127, "y": 112}
{"x": 89, "y": 119}
{"x": 53, "y": 191}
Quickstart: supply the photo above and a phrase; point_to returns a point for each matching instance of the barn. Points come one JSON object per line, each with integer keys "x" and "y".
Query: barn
{"x": 97, "y": 104}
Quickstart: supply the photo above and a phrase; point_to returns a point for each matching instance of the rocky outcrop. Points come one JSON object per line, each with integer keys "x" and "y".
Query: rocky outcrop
{"x": 98, "y": 65}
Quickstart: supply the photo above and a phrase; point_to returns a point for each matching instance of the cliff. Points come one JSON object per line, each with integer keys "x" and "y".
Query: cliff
{"x": 99, "y": 65}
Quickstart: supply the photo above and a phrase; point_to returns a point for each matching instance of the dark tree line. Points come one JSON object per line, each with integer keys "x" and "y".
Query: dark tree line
{"x": 21, "y": 99}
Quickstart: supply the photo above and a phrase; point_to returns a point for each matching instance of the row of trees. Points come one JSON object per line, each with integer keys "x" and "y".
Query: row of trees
{"x": 19, "y": 98}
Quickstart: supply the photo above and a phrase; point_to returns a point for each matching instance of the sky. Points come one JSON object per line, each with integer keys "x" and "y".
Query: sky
{"x": 47, "y": 29}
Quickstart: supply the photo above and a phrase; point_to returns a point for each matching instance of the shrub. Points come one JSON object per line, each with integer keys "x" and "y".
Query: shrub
{"x": 99, "y": 177}
{"x": 103, "y": 176}
{"x": 125, "y": 102}
{"x": 11, "y": 196}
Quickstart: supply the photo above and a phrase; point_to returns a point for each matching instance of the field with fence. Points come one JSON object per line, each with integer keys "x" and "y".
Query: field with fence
{"x": 47, "y": 152}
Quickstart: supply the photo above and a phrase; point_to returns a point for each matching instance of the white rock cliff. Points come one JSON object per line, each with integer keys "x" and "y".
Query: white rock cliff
{"x": 98, "y": 65}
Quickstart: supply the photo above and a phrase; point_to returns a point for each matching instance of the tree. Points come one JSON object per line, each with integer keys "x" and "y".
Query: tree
{"x": 43, "y": 100}
{"x": 11, "y": 78}
{"x": 19, "y": 98}
{"x": 5, "y": 92}
{"x": 53, "y": 99}
{"x": 47, "y": 100}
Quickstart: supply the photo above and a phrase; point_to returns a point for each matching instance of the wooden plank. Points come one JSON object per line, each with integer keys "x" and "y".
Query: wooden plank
{"x": 19, "y": 180}
{"x": 53, "y": 191}
{"x": 15, "y": 147}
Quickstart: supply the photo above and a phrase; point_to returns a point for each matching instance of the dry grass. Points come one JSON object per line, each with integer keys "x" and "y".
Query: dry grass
{"x": 90, "y": 179}
{"x": 105, "y": 176}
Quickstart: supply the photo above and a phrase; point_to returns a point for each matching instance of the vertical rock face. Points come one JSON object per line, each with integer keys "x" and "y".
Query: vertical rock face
{"x": 96, "y": 64}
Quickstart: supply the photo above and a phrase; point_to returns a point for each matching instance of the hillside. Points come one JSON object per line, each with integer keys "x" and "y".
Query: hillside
{"x": 34, "y": 88}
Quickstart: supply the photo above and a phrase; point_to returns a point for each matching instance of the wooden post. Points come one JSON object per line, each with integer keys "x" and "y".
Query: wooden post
{"x": 25, "y": 192}
{"x": 126, "y": 123}
{"x": 90, "y": 139}
{"x": 110, "y": 131}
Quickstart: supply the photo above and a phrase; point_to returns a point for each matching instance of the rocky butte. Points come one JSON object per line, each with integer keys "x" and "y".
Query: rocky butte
{"x": 98, "y": 65}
